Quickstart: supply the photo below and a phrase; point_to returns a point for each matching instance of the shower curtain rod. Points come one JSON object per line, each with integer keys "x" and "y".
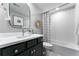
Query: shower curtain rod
{"x": 57, "y": 7}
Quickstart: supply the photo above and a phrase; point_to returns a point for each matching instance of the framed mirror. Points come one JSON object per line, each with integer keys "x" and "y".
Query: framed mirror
{"x": 20, "y": 15}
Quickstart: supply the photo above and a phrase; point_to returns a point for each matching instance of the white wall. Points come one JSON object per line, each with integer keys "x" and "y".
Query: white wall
{"x": 4, "y": 24}
{"x": 35, "y": 15}
{"x": 63, "y": 26}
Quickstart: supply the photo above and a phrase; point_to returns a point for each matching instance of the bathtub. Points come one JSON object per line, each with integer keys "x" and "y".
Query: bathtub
{"x": 63, "y": 49}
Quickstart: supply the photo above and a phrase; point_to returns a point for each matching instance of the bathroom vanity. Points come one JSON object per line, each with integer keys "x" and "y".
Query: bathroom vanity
{"x": 19, "y": 44}
{"x": 27, "y": 46}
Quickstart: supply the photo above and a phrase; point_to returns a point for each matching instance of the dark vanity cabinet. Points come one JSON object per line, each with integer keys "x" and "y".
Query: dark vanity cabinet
{"x": 31, "y": 47}
{"x": 34, "y": 51}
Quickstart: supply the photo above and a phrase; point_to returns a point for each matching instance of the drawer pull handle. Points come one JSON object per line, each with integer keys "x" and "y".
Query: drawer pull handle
{"x": 34, "y": 50}
{"x": 16, "y": 51}
{"x": 31, "y": 51}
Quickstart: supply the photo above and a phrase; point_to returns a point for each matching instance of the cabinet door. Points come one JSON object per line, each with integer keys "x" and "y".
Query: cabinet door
{"x": 37, "y": 50}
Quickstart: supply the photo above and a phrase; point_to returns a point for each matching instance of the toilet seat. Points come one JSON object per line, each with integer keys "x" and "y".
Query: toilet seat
{"x": 46, "y": 44}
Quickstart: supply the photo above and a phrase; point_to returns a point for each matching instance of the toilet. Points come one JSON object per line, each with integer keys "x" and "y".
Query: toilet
{"x": 47, "y": 47}
{"x": 48, "y": 50}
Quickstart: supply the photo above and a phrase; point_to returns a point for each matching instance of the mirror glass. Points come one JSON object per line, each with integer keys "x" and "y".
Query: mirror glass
{"x": 19, "y": 15}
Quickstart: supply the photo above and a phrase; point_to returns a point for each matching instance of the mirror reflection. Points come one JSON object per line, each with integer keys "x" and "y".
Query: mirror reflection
{"x": 19, "y": 15}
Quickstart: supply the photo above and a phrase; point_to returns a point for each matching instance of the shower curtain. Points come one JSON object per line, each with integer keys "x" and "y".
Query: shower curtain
{"x": 46, "y": 27}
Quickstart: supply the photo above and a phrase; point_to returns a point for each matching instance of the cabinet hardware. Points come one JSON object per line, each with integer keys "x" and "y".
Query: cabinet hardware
{"x": 31, "y": 51}
{"x": 16, "y": 51}
{"x": 34, "y": 50}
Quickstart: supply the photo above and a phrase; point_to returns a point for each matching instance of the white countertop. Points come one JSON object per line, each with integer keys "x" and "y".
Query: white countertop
{"x": 10, "y": 40}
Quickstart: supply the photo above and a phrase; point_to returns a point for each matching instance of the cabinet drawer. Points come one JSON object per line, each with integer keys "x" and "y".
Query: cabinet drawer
{"x": 13, "y": 50}
{"x": 39, "y": 39}
{"x": 25, "y": 53}
{"x": 31, "y": 43}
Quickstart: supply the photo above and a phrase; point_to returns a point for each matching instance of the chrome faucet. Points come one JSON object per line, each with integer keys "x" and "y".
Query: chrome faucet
{"x": 25, "y": 31}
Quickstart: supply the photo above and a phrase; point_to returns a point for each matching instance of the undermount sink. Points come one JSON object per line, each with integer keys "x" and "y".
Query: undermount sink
{"x": 26, "y": 35}
{"x": 22, "y": 36}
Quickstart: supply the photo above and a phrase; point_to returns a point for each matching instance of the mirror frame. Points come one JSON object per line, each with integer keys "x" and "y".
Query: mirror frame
{"x": 20, "y": 27}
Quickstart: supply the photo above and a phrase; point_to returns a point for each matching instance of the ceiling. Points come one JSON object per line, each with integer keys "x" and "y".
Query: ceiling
{"x": 47, "y": 6}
